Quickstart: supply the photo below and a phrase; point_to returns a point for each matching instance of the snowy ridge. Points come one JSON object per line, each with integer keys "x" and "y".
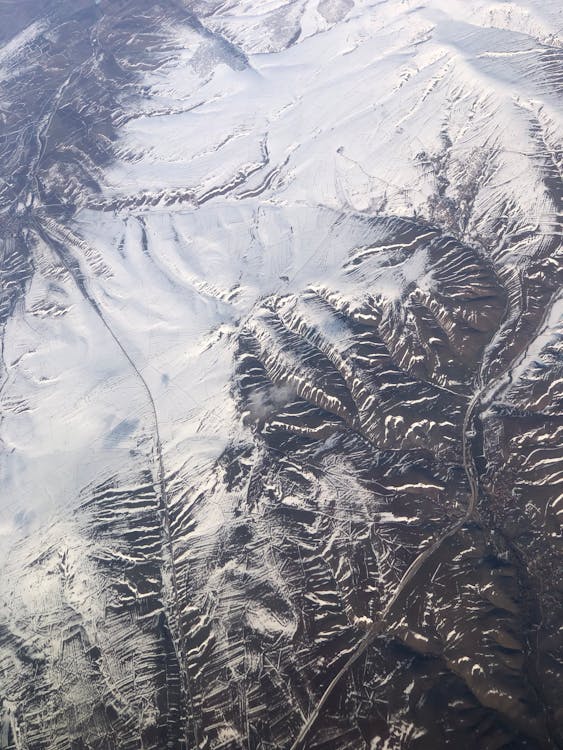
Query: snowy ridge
{"x": 281, "y": 375}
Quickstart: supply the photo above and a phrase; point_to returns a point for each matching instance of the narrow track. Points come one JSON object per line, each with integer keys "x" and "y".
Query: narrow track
{"x": 379, "y": 625}
{"x": 52, "y": 238}
{"x": 483, "y": 393}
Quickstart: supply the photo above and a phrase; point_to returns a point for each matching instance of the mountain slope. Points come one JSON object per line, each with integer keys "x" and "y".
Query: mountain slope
{"x": 281, "y": 375}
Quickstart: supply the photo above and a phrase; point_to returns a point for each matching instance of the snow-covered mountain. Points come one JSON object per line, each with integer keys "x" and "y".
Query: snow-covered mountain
{"x": 281, "y": 381}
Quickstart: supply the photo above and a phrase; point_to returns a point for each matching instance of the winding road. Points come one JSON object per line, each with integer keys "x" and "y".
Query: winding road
{"x": 483, "y": 393}
{"x": 379, "y": 625}
{"x": 59, "y": 237}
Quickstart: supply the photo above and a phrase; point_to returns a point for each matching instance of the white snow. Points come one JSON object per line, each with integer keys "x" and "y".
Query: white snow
{"x": 333, "y": 127}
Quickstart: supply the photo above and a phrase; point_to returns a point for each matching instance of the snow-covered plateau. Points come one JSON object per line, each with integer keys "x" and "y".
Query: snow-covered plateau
{"x": 281, "y": 375}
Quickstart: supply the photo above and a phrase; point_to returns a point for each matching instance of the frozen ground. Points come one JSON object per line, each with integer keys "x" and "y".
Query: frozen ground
{"x": 281, "y": 375}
